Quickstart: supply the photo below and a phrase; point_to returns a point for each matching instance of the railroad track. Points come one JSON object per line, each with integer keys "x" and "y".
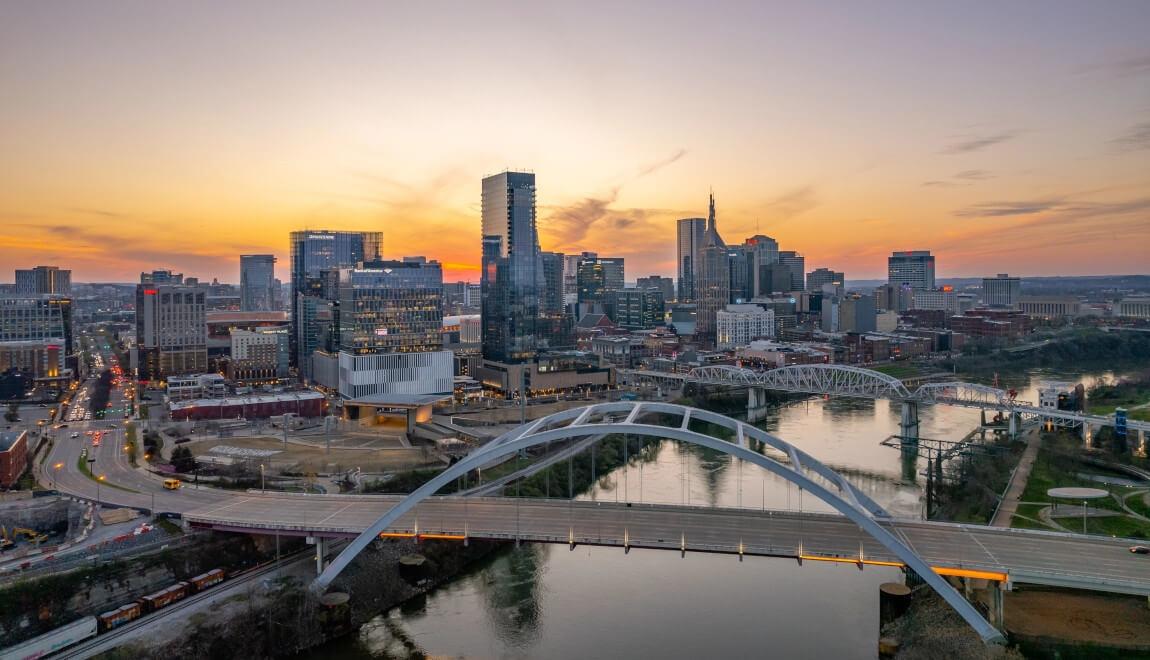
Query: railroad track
{"x": 110, "y": 640}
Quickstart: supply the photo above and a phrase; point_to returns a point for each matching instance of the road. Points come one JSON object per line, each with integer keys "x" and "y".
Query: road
{"x": 1027, "y": 556}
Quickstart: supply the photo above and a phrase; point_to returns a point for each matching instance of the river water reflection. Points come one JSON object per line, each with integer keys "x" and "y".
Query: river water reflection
{"x": 542, "y": 601}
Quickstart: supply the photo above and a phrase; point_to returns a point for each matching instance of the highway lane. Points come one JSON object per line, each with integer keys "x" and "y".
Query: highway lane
{"x": 1028, "y": 556}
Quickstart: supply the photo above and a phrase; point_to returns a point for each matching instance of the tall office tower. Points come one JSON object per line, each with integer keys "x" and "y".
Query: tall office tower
{"x": 664, "y": 285}
{"x": 740, "y": 262}
{"x": 571, "y": 276}
{"x": 636, "y": 309}
{"x": 43, "y": 280}
{"x": 257, "y": 282}
{"x": 1001, "y": 291}
{"x": 797, "y": 265}
{"x": 913, "y": 267}
{"x": 171, "y": 326}
{"x": 313, "y": 253}
{"x": 552, "y": 301}
{"x": 390, "y": 331}
{"x": 691, "y": 232}
{"x": 712, "y": 278}
{"x": 762, "y": 253}
{"x": 820, "y": 276}
{"x": 597, "y": 276}
{"x": 512, "y": 277}
{"x": 554, "y": 319}
{"x": 36, "y": 334}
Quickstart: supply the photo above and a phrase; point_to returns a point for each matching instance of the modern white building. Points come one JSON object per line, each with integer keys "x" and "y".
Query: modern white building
{"x": 1001, "y": 291}
{"x": 945, "y": 299}
{"x": 395, "y": 373}
{"x": 911, "y": 267}
{"x": 738, "y": 325}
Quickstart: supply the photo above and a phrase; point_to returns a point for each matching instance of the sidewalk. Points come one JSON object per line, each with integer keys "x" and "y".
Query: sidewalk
{"x": 1009, "y": 505}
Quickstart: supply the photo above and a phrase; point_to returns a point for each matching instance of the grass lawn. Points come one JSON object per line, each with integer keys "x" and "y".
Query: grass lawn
{"x": 1030, "y": 511}
{"x": 897, "y": 370}
{"x": 82, "y": 466}
{"x": 1137, "y": 503}
{"x": 1121, "y": 526}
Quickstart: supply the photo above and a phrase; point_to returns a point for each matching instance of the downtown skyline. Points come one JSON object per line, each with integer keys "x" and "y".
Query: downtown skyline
{"x": 817, "y": 129}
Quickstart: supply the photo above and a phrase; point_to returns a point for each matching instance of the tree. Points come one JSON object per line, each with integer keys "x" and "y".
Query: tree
{"x": 183, "y": 460}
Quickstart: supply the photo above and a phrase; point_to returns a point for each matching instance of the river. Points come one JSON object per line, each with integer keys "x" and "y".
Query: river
{"x": 540, "y": 601}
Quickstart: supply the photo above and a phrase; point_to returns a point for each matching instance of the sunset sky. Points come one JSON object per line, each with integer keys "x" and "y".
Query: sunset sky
{"x": 1003, "y": 136}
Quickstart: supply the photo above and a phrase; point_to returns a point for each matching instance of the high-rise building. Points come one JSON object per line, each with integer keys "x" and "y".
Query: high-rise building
{"x": 1001, "y": 291}
{"x": 512, "y": 275}
{"x": 637, "y": 309}
{"x": 571, "y": 276}
{"x": 36, "y": 334}
{"x": 171, "y": 326}
{"x": 712, "y": 277}
{"x": 552, "y": 302}
{"x": 257, "y": 282}
{"x": 691, "y": 232}
{"x": 820, "y": 276}
{"x": 390, "y": 330}
{"x": 740, "y": 264}
{"x": 739, "y": 325}
{"x": 316, "y": 256}
{"x": 912, "y": 267}
{"x": 665, "y": 285}
{"x": 796, "y": 263}
{"x": 850, "y": 313}
{"x": 598, "y": 276}
{"x": 43, "y": 280}
{"x": 762, "y": 252}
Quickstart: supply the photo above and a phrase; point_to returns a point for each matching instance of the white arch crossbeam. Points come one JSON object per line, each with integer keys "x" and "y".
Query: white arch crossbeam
{"x": 635, "y": 418}
{"x": 970, "y": 394}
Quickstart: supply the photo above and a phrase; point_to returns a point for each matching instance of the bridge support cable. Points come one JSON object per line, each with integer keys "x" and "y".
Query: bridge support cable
{"x": 867, "y": 515}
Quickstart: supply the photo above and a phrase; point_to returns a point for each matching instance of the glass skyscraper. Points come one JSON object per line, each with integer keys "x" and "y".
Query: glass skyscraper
{"x": 257, "y": 282}
{"x": 914, "y": 268}
{"x": 312, "y": 254}
{"x": 513, "y": 278}
{"x": 691, "y": 232}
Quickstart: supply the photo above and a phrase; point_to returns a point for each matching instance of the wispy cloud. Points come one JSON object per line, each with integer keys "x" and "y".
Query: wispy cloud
{"x": 793, "y": 202}
{"x": 1138, "y": 65}
{"x": 568, "y": 226}
{"x": 940, "y": 184}
{"x": 975, "y": 143}
{"x": 974, "y": 175}
{"x": 1062, "y": 207}
{"x": 1136, "y": 138}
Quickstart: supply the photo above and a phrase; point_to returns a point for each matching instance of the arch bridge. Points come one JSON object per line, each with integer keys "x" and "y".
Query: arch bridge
{"x": 681, "y": 423}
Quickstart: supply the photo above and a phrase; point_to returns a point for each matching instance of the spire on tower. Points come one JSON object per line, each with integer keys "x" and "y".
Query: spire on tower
{"x": 711, "y": 211}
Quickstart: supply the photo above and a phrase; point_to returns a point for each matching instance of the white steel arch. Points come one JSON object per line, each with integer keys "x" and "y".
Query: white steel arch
{"x": 832, "y": 379}
{"x": 623, "y": 418}
{"x": 964, "y": 394}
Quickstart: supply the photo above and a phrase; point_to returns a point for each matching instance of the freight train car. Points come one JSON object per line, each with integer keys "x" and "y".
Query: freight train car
{"x": 119, "y": 616}
{"x": 165, "y": 597}
{"x": 209, "y": 579}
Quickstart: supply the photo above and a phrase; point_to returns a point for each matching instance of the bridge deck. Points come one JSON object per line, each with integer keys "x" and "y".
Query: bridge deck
{"x": 1086, "y": 562}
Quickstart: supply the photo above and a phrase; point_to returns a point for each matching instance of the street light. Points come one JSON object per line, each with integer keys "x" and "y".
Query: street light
{"x": 263, "y": 486}
{"x": 99, "y": 480}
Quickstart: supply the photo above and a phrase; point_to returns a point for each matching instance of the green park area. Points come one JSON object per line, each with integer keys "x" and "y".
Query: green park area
{"x": 1062, "y": 462}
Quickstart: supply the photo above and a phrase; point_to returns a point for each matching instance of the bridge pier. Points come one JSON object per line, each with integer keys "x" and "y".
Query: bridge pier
{"x": 1012, "y": 425}
{"x": 321, "y": 545}
{"x": 908, "y": 426}
{"x": 997, "y": 604}
{"x": 756, "y": 404}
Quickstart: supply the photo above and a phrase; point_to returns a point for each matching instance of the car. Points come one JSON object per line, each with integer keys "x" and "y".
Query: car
{"x": 1140, "y": 550}
{"x": 75, "y": 434}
